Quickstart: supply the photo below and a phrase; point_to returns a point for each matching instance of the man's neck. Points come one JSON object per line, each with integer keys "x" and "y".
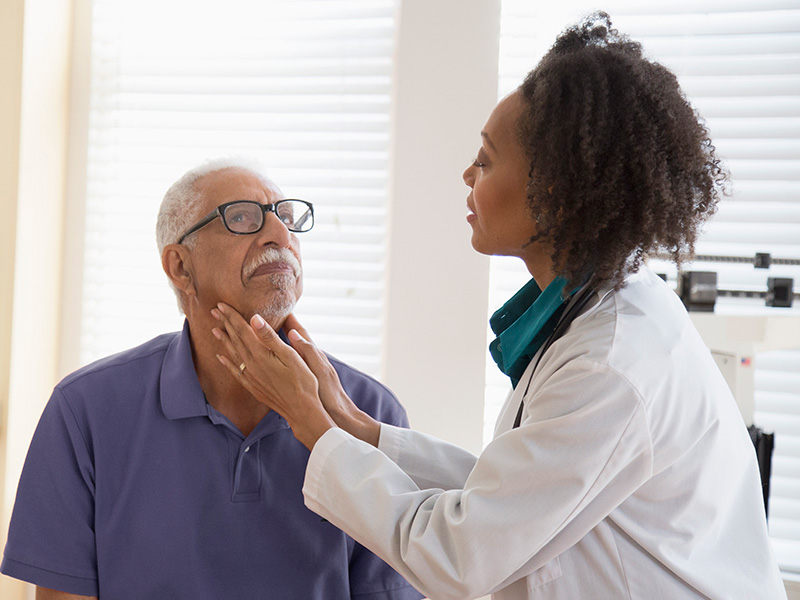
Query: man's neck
{"x": 221, "y": 389}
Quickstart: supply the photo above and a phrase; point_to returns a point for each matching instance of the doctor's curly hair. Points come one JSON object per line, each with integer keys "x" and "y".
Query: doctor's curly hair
{"x": 621, "y": 166}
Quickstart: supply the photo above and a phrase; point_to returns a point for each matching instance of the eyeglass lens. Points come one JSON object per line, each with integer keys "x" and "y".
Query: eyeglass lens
{"x": 248, "y": 217}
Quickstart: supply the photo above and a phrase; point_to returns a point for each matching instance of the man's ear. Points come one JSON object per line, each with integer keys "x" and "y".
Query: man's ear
{"x": 176, "y": 261}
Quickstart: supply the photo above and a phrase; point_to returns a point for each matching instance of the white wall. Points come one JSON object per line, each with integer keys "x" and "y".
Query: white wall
{"x": 437, "y": 288}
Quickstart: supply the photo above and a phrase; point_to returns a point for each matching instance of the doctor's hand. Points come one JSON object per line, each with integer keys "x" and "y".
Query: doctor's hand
{"x": 335, "y": 400}
{"x": 272, "y": 372}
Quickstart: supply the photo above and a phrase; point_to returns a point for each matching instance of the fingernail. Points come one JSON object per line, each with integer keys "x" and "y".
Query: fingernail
{"x": 217, "y": 335}
{"x": 215, "y": 313}
{"x": 258, "y": 321}
{"x": 221, "y": 309}
{"x": 295, "y": 336}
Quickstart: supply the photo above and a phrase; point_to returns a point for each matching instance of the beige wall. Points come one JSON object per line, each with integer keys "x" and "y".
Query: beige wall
{"x": 10, "y": 101}
{"x": 34, "y": 68}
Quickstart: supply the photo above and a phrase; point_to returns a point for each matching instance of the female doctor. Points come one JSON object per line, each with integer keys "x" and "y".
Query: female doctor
{"x": 620, "y": 466}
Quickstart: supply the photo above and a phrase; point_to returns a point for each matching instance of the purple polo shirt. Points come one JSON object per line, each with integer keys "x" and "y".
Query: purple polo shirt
{"x": 135, "y": 488}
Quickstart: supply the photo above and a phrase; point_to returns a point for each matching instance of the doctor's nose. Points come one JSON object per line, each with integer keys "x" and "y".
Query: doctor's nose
{"x": 469, "y": 175}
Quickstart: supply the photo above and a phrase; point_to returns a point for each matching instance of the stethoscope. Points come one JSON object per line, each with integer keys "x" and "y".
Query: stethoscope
{"x": 572, "y": 311}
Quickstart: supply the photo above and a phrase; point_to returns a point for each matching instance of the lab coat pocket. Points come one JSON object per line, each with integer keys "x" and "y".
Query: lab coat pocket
{"x": 549, "y": 572}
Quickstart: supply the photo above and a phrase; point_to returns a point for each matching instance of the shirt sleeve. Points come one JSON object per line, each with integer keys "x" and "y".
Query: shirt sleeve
{"x": 51, "y": 539}
{"x": 372, "y": 579}
{"x": 534, "y": 491}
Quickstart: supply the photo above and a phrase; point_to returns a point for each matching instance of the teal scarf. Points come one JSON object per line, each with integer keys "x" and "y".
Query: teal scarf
{"x": 523, "y": 324}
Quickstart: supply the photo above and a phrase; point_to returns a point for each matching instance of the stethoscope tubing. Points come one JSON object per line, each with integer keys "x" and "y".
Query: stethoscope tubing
{"x": 572, "y": 311}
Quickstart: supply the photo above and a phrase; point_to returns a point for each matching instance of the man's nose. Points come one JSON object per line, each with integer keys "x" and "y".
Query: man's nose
{"x": 274, "y": 232}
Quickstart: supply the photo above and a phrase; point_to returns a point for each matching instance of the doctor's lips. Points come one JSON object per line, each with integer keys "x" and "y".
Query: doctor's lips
{"x": 272, "y": 262}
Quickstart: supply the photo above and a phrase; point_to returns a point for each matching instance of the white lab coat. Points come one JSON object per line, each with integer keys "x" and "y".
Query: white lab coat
{"x": 632, "y": 476}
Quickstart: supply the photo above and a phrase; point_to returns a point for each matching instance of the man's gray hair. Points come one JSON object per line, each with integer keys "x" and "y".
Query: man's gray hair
{"x": 183, "y": 203}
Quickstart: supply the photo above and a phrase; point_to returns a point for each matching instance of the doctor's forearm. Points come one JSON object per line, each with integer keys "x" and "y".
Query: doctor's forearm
{"x": 358, "y": 424}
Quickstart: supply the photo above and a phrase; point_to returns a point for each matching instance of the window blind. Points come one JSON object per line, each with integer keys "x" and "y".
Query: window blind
{"x": 738, "y": 61}
{"x": 303, "y": 86}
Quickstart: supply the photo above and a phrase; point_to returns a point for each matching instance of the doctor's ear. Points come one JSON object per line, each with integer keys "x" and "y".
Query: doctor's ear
{"x": 176, "y": 261}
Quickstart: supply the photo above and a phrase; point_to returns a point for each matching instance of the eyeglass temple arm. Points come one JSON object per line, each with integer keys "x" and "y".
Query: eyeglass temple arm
{"x": 302, "y": 220}
{"x": 205, "y": 221}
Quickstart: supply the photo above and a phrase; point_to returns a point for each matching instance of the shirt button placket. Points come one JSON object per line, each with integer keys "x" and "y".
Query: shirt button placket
{"x": 247, "y": 482}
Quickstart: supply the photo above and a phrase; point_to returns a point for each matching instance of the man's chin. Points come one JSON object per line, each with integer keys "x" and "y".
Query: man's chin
{"x": 277, "y": 310}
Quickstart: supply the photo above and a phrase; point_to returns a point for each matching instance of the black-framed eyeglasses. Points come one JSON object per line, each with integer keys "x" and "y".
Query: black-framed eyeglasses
{"x": 244, "y": 217}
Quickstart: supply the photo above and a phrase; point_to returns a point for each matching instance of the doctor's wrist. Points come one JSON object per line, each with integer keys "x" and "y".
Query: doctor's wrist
{"x": 362, "y": 426}
{"x": 310, "y": 425}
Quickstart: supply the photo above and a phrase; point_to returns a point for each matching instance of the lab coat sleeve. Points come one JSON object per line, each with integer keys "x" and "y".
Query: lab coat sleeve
{"x": 430, "y": 462}
{"x": 534, "y": 492}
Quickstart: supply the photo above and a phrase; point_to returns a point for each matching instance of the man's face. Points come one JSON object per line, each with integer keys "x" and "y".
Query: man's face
{"x": 255, "y": 273}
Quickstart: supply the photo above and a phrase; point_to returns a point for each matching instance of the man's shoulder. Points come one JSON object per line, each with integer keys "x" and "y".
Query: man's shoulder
{"x": 135, "y": 362}
{"x": 369, "y": 394}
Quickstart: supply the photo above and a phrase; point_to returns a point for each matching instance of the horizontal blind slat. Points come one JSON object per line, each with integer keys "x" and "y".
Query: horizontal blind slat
{"x": 305, "y": 87}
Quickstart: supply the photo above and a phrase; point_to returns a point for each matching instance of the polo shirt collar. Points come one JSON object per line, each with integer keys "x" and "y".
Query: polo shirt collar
{"x": 181, "y": 394}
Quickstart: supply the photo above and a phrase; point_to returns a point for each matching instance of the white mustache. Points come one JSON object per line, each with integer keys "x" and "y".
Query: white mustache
{"x": 273, "y": 255}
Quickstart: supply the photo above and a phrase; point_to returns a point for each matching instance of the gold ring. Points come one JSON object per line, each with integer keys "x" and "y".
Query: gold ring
{"x": 242, "y": 367}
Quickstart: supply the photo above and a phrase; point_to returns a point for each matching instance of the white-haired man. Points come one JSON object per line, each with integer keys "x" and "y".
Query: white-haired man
{"x": 153, "y": 475}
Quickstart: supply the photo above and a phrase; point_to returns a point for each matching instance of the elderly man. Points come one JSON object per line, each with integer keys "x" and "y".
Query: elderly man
{"x": 154, "y": 475}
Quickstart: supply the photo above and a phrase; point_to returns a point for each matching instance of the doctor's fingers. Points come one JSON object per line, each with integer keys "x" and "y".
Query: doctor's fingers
{"x": 246, "y": 341}
{"x": 261, "y": 351}
{"x": 228, "y": 349}
{"x": 275, "y": 392}
{"x": 315, "y": 358}
{"x": 273, "y": 377}
{"x": 292, "y": 323}
{"x": 230, "y": 338}
{"x": 331, "y": 392}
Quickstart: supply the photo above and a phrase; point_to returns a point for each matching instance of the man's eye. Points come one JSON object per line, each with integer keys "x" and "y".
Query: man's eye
{"x": 286, "y": 216}
{"x": 242, "y": 219}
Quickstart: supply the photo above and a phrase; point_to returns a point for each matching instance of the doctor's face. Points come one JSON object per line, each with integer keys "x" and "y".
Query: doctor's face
{"x": 499, "y": 214}
{"x": 255, "y": 273}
